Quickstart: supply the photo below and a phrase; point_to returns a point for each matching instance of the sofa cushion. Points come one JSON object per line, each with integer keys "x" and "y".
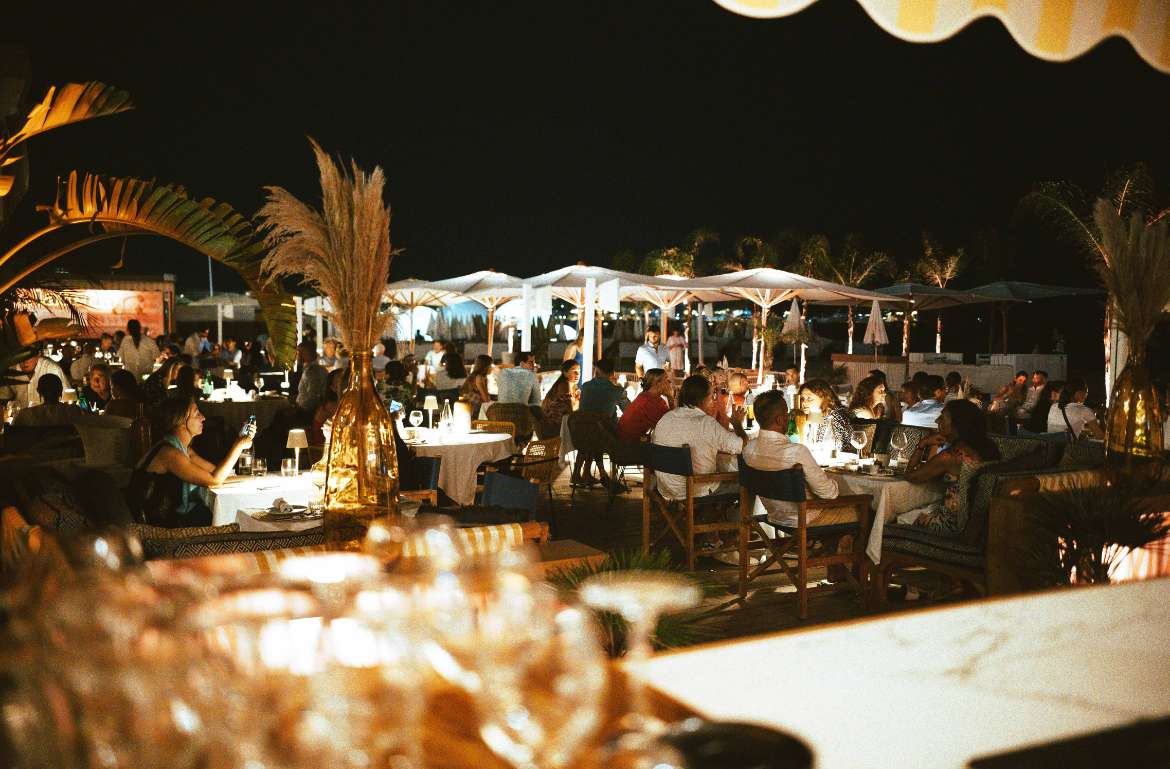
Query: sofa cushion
{"x": 46, "y": 498}
{"x": 1083, "y": 456}
{"x": 919, "y": 542}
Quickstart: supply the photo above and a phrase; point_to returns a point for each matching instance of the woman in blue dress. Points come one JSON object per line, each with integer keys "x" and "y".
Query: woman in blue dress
{"x": 164, "y": 490}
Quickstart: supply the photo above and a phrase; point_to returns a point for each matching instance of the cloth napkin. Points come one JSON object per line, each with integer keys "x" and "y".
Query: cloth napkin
{"x": 280, "y": 506}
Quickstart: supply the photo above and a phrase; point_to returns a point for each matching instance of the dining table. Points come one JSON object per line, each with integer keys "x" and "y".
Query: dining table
{"x": 258, "y": 492}
{"x": 460, "y": 454}
{"x": 236, "y": 412}
{"x": 893, "y": 496}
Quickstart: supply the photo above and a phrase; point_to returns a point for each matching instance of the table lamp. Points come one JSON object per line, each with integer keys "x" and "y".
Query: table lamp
{"x": 297, "y": 440}
{"x": 430, "y": 403}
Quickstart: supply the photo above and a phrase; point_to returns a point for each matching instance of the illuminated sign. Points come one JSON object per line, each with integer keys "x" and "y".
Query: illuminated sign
{"x": 108, "y": 310}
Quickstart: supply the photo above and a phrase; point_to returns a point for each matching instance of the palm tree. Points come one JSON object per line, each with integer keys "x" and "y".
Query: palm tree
{"x": 940, "y": 269}
{"x": 751, "y": 251}
{"x": 1108, "y": 235}
{"x": 854, "y": 265}
{"x": 707, "y": 247}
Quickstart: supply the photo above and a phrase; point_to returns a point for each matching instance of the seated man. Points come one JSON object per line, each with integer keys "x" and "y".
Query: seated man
{"x": 773, "y": 451}
{"x": 519, "y": 384}
{"x": 649, "y": 407}
{"x": 601, "y": 394}
{"x": 925, "y": 412}
{"x": 50, "y": 411}
{"x": 691, "y": 425}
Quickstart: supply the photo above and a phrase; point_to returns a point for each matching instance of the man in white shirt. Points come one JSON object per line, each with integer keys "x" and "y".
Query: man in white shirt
{"x": 36, "y": 366}
{"x": 773, "y": 451}
{"x": 925, "y": 413}
{"x": 379, "y": 358}
{"x": 691, "y": 425}
{"x": 1039, "y": 379}
{"x": 434, "y": 357}
{"x": 651, "y": 355}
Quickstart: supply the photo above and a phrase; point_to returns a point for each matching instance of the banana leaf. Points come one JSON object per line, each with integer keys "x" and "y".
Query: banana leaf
{"x": 70, "y": 103}
{"x": 112, "y": 207}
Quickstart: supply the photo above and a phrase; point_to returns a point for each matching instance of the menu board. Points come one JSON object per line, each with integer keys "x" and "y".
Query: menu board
{"x": 108, "y": 310}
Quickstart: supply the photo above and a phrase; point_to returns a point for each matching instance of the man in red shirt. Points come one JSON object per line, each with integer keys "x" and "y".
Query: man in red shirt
{"x": 656, "y": 399}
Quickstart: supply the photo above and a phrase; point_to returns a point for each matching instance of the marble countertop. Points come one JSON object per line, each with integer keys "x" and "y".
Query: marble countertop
{"x": 937, "y": 688}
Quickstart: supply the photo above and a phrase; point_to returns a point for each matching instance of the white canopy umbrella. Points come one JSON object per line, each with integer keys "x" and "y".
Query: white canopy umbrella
{"x": 411, "y": 293}
{"x": 767, "y": 287}
{"x": 875, "y": 330}
{"x": 224, "y": 308}
{"x": 487, "y": 287}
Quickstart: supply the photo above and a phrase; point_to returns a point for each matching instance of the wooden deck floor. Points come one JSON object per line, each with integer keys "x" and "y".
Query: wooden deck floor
{"x": 771, "y": 604}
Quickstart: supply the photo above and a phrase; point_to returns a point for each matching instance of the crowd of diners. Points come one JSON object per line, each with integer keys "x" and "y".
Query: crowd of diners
{"x": 163, "y": 379}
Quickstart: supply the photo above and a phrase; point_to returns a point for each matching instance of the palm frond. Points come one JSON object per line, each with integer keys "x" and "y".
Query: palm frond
{"x": 115, "y": 207}
{"x": 343, "y": 250}
{"x": 668, "y": 261}
{"x": 1057, "y": 204}
{"x": 1134, "y": 266}
{"x": 936, "y": 267}
{"x": 673, "y": 631}
{"x": 1130, "y": 188}
{"x": 70, "y": 103}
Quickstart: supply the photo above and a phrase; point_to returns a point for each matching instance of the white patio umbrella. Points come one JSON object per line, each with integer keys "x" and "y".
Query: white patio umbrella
{"x": 875, "y": 330}
{"x": 767, "y": 287}
{"x": 487, "y": 287}
{"x": 411, "y": 293}
{"x": 224, "y": 308}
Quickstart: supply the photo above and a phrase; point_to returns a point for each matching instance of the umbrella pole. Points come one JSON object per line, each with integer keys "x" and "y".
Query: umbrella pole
{"x": 491, "y": 329}
{"x": 906, "y": 334}
{"x": 938, "y": 333}
{"x": 600, "y": 331}
{"x": 699, "y": 333}
{"x": 763, "y": 340}
{"x": 755, "y": 336}
{"x": 849, "y": 327}
{"x": 803, "y": 345}
{"x": 687, "y": 336}
{"x": 409, "y": 309}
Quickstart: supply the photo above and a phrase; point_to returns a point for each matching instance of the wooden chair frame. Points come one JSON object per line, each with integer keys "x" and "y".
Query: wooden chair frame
{"x": 777, "y": 548}
{"x": 679, "y": 515}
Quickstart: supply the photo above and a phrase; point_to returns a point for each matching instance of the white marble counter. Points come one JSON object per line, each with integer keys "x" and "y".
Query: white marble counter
{"x": 936, "y": 688}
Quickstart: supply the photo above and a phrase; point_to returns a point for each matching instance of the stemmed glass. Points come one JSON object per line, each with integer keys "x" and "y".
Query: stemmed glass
{"x": 857, "y": 440}
{"x": 898, "y": 442}
{"x": 416, "y": 418}
{"x": 640, "y": 598}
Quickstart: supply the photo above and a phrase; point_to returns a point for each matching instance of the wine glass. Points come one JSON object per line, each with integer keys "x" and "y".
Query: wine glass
{"x": 898, "y": 442}
{"x": 416, "y": 418}
{"x": 857, "y": 440}
{"x": 640, "y": 599}
{"x": 540, "y": 688}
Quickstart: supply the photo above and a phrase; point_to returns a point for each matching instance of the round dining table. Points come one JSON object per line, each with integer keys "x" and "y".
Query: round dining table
{"x": 461, "y": 455}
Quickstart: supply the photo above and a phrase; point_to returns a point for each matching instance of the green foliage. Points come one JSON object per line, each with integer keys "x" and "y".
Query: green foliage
{"x": 1135, "y": 267}
{"x": 936, "y": 266}
{"x": 706, "y": 246}
{"x": 1077, "y": 534}
{"x": 853, "y": 265}
{"x": 668, "y": 261}
{"x": 673, "y": 631}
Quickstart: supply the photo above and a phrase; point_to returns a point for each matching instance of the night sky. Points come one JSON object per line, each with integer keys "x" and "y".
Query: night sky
{"x": 528, "y": 135}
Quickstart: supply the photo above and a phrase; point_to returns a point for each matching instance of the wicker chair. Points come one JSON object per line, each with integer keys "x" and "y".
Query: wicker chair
{"x": 488, "y": 426}
{"x": 519, "y": 414}
{"x": 540, "y": 463}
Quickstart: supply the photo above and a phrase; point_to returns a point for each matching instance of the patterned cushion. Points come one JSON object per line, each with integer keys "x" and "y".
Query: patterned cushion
{"x": 249, "y": 542}
{"x": 1039, "y": 453}
{"x": 913, "y": 435}
{"x": 1083, "y": 455}
{"x": 48, "y": 500}
{"x": 920, "y": 542}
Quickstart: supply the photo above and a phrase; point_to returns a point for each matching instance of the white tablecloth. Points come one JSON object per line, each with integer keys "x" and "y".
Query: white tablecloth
{"x": 252, "y": 492}
{"x": 235, "y": 413}
{"x": 983, "y": 676}
{"x": 461, "y": 455}
{"x": 891, "y": 497}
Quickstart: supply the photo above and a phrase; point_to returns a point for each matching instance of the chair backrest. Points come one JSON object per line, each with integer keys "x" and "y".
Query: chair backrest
{"x": 509, "y": 491}
{"x": 546, "y": 447}
{"x": 517, "y": 413}
{"x": 784, "y": 485}
{"x": 591, "y": 432}
{"x": 488, "y": 426}
{"x": 675, "y": 460}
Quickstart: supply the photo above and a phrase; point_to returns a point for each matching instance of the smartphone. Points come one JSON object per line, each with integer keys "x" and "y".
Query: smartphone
{"x": 250, "y": 423}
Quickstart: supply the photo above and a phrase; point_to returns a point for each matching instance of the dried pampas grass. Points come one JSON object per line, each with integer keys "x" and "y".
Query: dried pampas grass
{"x": 1134, "y": 264}
{"x": 343, "y": 250}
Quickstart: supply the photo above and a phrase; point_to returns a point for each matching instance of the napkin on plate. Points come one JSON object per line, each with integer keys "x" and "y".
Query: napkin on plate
{"x": 280, "y": 506}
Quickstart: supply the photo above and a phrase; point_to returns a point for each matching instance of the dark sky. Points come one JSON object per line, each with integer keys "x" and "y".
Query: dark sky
{"x": 528, "y": 135}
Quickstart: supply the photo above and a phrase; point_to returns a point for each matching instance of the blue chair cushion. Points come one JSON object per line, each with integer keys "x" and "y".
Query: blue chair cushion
{"x": 924, "y": 543}
{"x": 671, "y": 459}
{"x": 508, "y": 491}
{"x": 783, "y": 485}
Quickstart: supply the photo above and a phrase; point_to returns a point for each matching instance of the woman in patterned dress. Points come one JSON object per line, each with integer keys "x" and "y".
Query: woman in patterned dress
{"x": 816, "y": 396}
{"x": 961, "y": 439}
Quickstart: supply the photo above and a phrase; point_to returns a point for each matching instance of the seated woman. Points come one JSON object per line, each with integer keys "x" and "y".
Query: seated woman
{"x": 1071, "y": 415}
{"x": 450, "y": 376}
{"x": 816, "y": 398}
{"x": 1037, "y": 421}
{"x": 164, "y": 490}
{"x": 561, "y": 399}
{"x": 188, "y": 382}
{"x": 475, "y": 387}
{"x": 97, "y": 386}
{"x": 154, "y": 389}
{"x": 961, "y": 439}
{"x": 869, "y": 399}
{"x": 127, "y": 396}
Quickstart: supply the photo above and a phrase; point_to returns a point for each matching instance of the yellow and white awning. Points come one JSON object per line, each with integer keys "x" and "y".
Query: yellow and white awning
{"x": 1056, "y": 30}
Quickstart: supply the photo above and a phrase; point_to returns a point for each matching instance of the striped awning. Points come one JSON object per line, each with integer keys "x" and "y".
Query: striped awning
{"x": 1056, "y": 30}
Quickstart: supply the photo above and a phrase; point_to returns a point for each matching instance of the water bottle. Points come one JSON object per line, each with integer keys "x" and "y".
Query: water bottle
{"x": 749, "y": 408}
{"x": 445, "y": 416}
